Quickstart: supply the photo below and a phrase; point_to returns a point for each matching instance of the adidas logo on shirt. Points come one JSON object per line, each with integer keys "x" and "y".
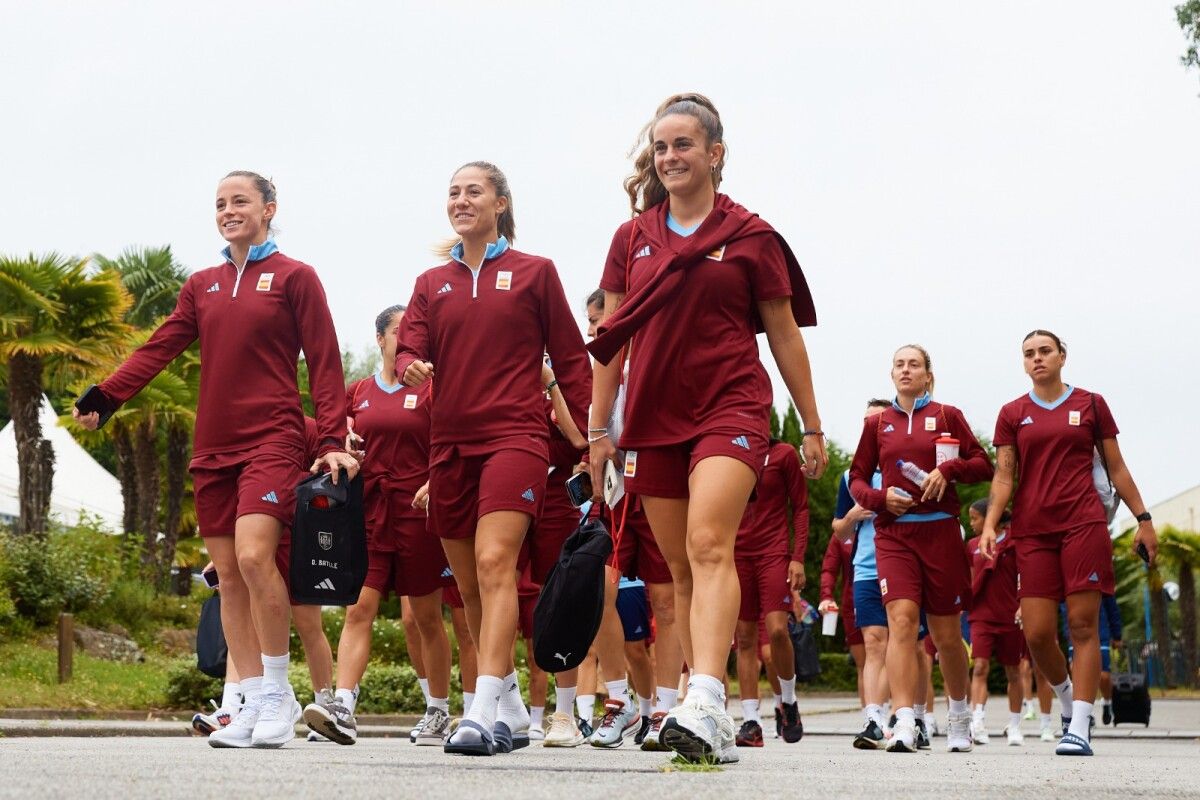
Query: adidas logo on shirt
{"x": 270, "y": 497}
{"x": 1093, "y": 578}
{"x": 364, "y": 404}
{"x": 445, "y": 288}
{"x": 1027, "y": 421}
{"x": 742, "y": 442}
{"x": 645, "y": 251}
{"x": 889, "y": 428}
{"x": 216, "y": 287}
{"x": 326, "y": 584}
{"x": 528, "y": 496}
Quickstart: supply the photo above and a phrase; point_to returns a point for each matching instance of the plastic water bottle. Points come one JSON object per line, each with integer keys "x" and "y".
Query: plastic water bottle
{"x": 912, "y": 472}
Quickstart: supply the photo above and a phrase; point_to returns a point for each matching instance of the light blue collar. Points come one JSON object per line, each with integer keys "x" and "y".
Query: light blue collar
{"x": 1056, "y": 403}
{"x": 922, "y": 401}
{"x": 491, "y": 251}
{"x": 383, "y": 387}
{"x": 674, "y": 226}
{"x": 257, "y": 251}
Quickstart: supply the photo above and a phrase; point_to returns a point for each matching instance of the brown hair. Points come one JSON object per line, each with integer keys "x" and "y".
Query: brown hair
{"x": 1059, "y": 343}
{"x": 644, "y": 188}
{"x": 506, "y": 224}
{"x": 265, "y": 187}
{"x": 877, "y": 402}
{"x": 596, "y": 298}
{"x": 928, "y": 361}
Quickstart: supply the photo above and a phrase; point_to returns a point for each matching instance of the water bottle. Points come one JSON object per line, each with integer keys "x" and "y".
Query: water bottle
{"x": 912, "y": 472}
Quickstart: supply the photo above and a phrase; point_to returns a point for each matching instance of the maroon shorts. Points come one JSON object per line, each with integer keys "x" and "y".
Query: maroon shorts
{"x": 263, "y": 482}
{"x": 664, "y": 471}
{"x": 463, "y": 488}
{"x": 409, "y": 560}
{"x": 558, "y": 520}
{"x": 636, "y": 554}
{"x": 1055, "y": 565}
{"x": 849, "y": 627}
{"x": 764, "y": 583}
{"x": 1004, "y": 643}
{"x": 451, "y": 596}
{"x": 925, "y": 562}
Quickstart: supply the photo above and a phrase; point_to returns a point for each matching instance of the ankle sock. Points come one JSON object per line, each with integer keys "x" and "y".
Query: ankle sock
{"x": 874, "y": 711}
{"x": 645, "y": 706}
{"x": 442, "y": 703}
{"x": 275, "y": 671}
{"x": 251, "y": 687}
{"x": 535, "y": 716}
{"x": 564, "y": 700}
{"x": 958, "y": 707}
{"x": 1081, "y": 719}
{"x": 919, "y": 710}
{"x": 483, "y": 708}
{"x": 510, "y": 706}
{"x": 750, "y": 711}
{"x": 707, "y": 689}
{"x": 1044, "y": 719}
{"x": 348, "y": 698}
{"x": 977, "y": 714}
{"x": 1014, "y": 720}
{"x": 1063, "y": 691}
{"x": 619, "y": 690}
{"x": 668, "y": 698}
{"x": 585, "y": 707}
{"x": 906, "y": 714}
{"x": 231, "y": 697}
{"x": 424, "y": 684}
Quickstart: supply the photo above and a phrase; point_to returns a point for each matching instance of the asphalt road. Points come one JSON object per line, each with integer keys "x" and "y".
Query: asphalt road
{"x": 819, "y": 766}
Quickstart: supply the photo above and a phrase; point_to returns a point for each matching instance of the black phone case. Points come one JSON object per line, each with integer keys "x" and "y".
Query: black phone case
{"x": 584, "y": 484}
{"x": 93, "y": 400}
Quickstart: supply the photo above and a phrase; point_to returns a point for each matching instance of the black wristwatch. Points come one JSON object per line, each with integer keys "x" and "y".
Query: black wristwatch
{"x": 1143, "y": 517}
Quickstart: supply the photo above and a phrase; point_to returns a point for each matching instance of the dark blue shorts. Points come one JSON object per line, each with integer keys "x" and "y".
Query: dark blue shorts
{"x": 1105, "y": 656}
{"x": 868, "y": 607}
{"x": 634, "y": 610}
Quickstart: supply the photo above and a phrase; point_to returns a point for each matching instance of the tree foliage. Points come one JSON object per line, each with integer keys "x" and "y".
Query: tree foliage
{"x": 1188, "y": 16}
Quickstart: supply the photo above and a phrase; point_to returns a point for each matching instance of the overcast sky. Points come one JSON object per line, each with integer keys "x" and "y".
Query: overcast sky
{"x": 948, "y": 173}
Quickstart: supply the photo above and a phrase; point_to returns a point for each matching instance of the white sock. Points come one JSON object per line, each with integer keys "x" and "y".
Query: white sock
{"x": 231, "y": 698}
{"x": 348, "y": 698}
{"x": 787, "y": 689}
{"x": 619, "y": 690}
{"x": 511, "y": 706}
{"x": 708, "y": 689}
{"x": 874, "y": 711}
{"x": 251, "y": 687}
{"x": 1014, "y": 720}
{"x": 564, "y": 702}
{"x": 645, "y": 706}
{"x": 535, "y": 716}
{"x": 906, "y": 714}
{"x": 750, "y": 711}
{"x": 487, "y": 698}
{"x": 468, "y": 701}
{"x": 1105, "y": 703}
{"x": 668, "y": 698}
{"x": 958, "y": 707}
{"x": 776, "y": 700}
{"x": 977, "y": 714}
{"x": 1044, "y": 719}
{"x": 1065, "y": 696}
{"x": 585, "y": 706}
{"x": 919, "y": 710}
{"x": 275, "y": 671}
{"x": 440, "y": 702}
{"x": 1081, "y": 719}
{"x": 424, "y": 684}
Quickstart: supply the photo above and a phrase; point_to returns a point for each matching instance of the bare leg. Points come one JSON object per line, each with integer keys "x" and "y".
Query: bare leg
{"x": 317, "y": 654}
{"x": 354, "y": 646}
{"x": 468, "y": 663}
{"x": 435, "y": 646}
{"x": 244, "y": 652}
{"x": 256, "y": 538}
{"x": 747, "y": 659}
{"x": 859, "y": 653}
{"x": 412, "y": 638}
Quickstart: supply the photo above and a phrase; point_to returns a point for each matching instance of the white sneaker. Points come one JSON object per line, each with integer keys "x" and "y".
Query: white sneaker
{"x": 563, "y": 731}
{"x": 979, "y": 733}
{"x": 958, "y": 733}
{"x": 240, "y": 731}
{"x": 618, "y": 722}
{"x": 931, "y": 725}
{"x": 277, "y": 718}
{"x": 904, "y": 734}
{"x": 204, "y": 724}
{"x": 699, "y": 732}
{"x": 436, "y": 729}
{"x": 1015, "y": 737}
{"x": 536, "y": 734}
{"x": 1047, "y": 735}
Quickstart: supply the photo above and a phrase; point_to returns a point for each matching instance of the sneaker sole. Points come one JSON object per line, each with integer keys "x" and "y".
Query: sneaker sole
{"x": 966, "y": 749}
{"x": 430, "y": 741}
{"x": 563, "y": 743}
{"x": 625, "y": 734}
{"x": 687, "y": 744}
{"x": 221, "y": 744}
{"x": 898, "y": 746}
{"x": 318, "y": 720}
{"x": 862, "y": 743}
{"x": 201, "y": 727}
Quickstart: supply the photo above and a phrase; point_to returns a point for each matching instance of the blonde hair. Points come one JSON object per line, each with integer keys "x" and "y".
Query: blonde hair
{"x": 644, "y": 188}
{"x": 928, "y": 361}
{"x": 506, "y": 224}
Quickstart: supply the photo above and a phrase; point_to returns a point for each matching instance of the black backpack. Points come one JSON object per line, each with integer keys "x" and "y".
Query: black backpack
{"x": 211, "y": 650}
{"x": 568, "y": 611}
{"x": 329, "y": 542}
{"x": 807, "y": 653}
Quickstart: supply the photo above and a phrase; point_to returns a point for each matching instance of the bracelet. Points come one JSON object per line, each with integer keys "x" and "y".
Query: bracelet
{"x": 593, "y": 440}
{"x": 814, "y": 433}
{"x": 597, "y": 430}
{"x": 551, "y": 385}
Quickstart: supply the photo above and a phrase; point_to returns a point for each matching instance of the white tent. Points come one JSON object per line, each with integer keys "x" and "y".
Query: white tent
{"x": 80, "y": 484}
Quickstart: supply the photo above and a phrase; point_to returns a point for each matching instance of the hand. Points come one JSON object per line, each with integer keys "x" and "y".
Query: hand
{"x": 600, "y": 452}
{"x": 987, "y": 543}
{"x": 1146, "y": 535}
{"x": 421, "y": 498}
{"x": 859, "y": 514}
{"x": 796, "y": 577}
{"x": 934, "y": 486}
{"x": 897, "y": 503}
{"x": 90, "y": 421}
{"x": 815, "y": 457}
{"x": 827, "y": 607}
{"x": 1017, "y": 617}
{"x": 354, "y": 446}
{"x": 336, "y": 460}
{"x": 417, "y": 373}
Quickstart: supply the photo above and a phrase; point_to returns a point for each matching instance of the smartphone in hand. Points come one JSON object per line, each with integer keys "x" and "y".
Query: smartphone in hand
{"x": 579, "y": 488}
{"x": 94, "y": 401}
{"x": 210, "y": 578}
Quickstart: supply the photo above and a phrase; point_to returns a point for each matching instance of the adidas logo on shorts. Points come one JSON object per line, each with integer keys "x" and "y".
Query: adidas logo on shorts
{"x": 1093, "y": 578}
{"x": 528, "y": 496}
{"x": 270, "y": 497}
{"x": 742, "y": 442}
{"x": 445, "y": 288}
{"x": 1027, "y": 421}
{"x": 447, "y": 573}
{"x": 216, "y": 287}
{"x": 326, "y": 584}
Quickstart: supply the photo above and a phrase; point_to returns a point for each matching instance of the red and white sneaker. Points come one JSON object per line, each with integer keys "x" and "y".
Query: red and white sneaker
{"x": 204, "y": 724}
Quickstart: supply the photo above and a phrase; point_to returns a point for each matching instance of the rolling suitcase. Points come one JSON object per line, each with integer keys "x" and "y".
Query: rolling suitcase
{"x": 1130, "y": 698}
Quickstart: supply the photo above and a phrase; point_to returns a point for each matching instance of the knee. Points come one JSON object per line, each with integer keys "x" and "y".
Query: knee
{"x": 429, "y": 626}
{"x": 494, "y": 567}
{"x": 664, "y": 610}
{"x": 1083, "y": 629}
{"x": 359, "y": 615}
{"x": 980, "y": 668}
{"x": 747, "y": 639}
{"x": 255, "y": 562}
{"x": 779, "y": 637}
{"x": 902, "y": 625}
{"x": 709, "y": 548}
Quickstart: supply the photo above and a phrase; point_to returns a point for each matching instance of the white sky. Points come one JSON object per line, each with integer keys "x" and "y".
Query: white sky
{"x": 948, "y": 173}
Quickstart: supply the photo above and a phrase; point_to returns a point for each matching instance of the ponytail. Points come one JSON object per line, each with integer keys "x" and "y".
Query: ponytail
{"x": 644, "y": 188}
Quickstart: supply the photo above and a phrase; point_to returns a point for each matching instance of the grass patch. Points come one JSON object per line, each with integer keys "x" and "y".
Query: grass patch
{"x": 29, "y": 679}
{"x": 681, "y": 764}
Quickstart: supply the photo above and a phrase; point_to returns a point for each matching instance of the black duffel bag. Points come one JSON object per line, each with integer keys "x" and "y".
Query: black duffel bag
{"x": 571, "y": 603}
{"x": 329, "y": 541}
{"x": 211, "y": 651}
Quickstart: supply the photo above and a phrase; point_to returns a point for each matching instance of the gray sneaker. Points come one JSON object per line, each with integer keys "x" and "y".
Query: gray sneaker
{"x": 435, "y": 729}
{"x": 619, "y": 721}
{"x": 328, "y": 717}
{"x": 416, "y": 731}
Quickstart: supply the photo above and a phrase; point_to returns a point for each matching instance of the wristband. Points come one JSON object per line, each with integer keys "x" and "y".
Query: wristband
{"x": 814, "y": 433}
{"x": 597, "y": 430}
{"x": 1144, "y": 517}
{"x": 551, "y": 385}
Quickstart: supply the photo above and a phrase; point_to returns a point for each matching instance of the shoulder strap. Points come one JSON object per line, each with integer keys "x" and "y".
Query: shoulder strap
{"x": 1096, "y": 437}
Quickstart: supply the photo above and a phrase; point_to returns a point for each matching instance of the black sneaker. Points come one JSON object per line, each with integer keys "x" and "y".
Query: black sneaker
{"x": 750, "y": 735}
{"x": 871, "y": 737}
{"x": 778, "y": 721}
{"x": 922, "y": 735}
{"x": 793, "y": 728}
{"x": 640, "y": 736}
{"x": 1106, "y": 714}
{"x": 584, "y": 726}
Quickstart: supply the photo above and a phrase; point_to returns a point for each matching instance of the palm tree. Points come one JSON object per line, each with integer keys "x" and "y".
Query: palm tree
{"x": 57, "y": 320}
{"x": 1181, "y": 551}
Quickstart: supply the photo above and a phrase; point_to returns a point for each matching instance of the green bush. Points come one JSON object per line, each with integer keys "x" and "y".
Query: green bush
{"x": 188, "y": 687}
{"x": 390, "y": 689}
{"x": 70, "y": 570}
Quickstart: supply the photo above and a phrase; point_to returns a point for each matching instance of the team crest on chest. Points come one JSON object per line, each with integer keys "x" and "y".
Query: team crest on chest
{"x": 718, "y": 254}
{"x": 931, "y": 423}
{"x": 264, "y": 282}
{"x": 410, "y": 401}
{"x": 1073, "y": 418}
{"x": 504, "y": 281}
{"x": 630, "y": 463}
